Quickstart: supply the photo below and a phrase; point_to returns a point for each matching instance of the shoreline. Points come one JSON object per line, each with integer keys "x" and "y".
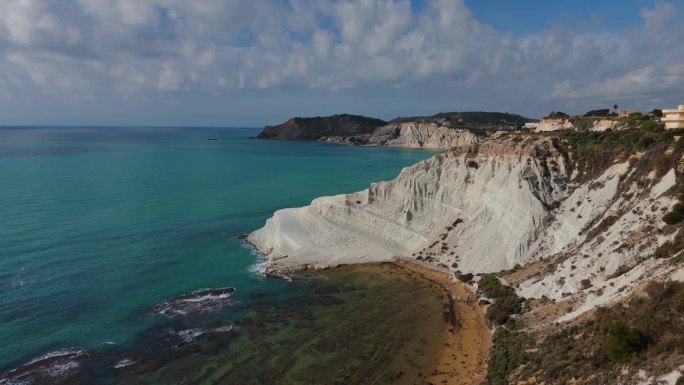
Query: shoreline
{"x": 467, "y": 338}
{"x": 465, "y": 354}
{"x": 448, "y": 344}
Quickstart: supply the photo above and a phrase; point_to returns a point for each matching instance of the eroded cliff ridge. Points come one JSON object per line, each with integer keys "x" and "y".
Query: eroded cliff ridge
{"x": 429, "y": 135}
{"x": 484, "y": 202}
{"x": 573, "y": 240}
{"x": 491, "y": 206}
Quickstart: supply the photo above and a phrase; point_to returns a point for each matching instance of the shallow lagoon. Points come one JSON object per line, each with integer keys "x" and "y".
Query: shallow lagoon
{"x": 353, "y": 325}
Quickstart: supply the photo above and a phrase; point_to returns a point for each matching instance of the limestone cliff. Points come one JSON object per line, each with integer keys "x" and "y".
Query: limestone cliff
{"x": 479, "y": 206}
{"x": 421, "y": 135}
{"x": 546, "y": 125}
{"x": 488, "y": 207}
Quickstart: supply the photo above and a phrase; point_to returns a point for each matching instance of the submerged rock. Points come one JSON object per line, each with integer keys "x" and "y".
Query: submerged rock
{"x": 198, "y": 302}
{"x": 53, "y": 367}
{"x": 189, "y": 335}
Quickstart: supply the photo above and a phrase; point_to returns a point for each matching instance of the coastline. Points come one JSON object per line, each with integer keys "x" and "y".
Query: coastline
{"x": 467, "y": 338}
{"x": 463, "y": 359}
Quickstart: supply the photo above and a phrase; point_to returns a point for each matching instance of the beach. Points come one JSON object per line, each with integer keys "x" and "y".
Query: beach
{"x": 463, "y": 358}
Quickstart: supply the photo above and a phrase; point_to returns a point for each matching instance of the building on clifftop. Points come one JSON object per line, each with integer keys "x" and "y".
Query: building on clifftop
{"x": 673, "y": 118}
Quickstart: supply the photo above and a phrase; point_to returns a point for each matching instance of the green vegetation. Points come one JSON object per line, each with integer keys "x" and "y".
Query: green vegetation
{"x": 623, "y": 342}
{"x": 675, "y": 215}
{"x": 670, "y": 248}
{"x": 600, "y": 112}
{"x": 506, "y": 302}
{"x": 647, "y": 332}
{"x": 470, "y": 119}
{"x": 557, "y": 115}
{"x": 638, "y": 116}
{"x": 649, "y": 126}
{"x": 594, "y": 152}
{"x": 508, "y": 352}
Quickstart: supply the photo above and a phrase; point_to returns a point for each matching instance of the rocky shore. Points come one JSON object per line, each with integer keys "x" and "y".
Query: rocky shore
{"x": 489, "y": 207}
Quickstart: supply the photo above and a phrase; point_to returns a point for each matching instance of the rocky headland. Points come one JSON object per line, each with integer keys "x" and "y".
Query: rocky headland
{"x": 562, "y": 224}
{"x": 440, "y": 131}
{"x": 319, "y": 127}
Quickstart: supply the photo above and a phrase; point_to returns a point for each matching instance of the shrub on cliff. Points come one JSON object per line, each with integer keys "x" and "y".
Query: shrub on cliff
{"x": 647, "y": 331}
{"x": 672, "y": 218}
{"x": 508, "y": 353}
{"x": 670, "y": 248}
{"x": 506, "y": 302}
{"x": 649, "y": 126}
{"x": 676, "y": 215}
{"x": 594, "y": 152}
{"x": 623, "y": 342}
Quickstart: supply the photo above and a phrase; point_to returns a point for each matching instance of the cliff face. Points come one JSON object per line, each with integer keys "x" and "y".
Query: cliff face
{"x": 421, "y": 135}
{"x": 318, "y": 127}
{"x": 546, "y": 125}
{"x": 478, "y": 206}
{"x": 580, "y": 124}
{"x": 489, "y": 207}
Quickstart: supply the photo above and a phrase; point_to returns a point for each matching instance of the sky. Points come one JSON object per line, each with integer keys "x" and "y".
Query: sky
{"x": 256, "y": 62}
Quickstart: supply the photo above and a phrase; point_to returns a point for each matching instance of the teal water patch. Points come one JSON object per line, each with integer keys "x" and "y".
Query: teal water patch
{"x": 101, "y": 224}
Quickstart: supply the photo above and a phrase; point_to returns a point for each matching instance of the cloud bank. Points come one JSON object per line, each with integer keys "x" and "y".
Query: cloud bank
{"x": 438, "y": 54}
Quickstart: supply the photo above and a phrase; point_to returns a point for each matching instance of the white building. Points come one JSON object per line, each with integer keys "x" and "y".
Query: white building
{"x": 531, "y": 126}
{"x": 673, "y": 118}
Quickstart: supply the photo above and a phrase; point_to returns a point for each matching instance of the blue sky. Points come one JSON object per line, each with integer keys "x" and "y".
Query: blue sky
{"x": 249, "y": 63}
{"x": 523, "y": 17}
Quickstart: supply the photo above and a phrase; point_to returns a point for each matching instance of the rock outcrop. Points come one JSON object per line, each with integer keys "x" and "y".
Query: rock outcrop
{"x": 430, "y": 135}
{"x": 488, "y": 207}
{"x": 477, "y": 206}
{"x": 319, "y": 127}
{"x": 579, "y": 124}
{"x": 546, "y": 125}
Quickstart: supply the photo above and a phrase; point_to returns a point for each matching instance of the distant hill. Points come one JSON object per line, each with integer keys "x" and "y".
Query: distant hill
{"x": 319, "y": 127}
{"x": 472, "y": 118}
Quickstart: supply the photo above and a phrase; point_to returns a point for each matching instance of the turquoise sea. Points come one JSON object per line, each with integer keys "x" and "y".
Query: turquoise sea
{"x": 98, "y": 225}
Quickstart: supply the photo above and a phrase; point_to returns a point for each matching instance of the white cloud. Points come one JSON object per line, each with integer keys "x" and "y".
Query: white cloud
{"x": 163, "y": 46}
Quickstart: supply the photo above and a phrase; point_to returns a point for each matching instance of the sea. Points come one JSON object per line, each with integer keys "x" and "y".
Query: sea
{"x": 100, "y": 225}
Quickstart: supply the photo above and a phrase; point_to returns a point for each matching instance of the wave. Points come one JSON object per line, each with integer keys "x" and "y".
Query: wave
{"x": 198, "y": 302}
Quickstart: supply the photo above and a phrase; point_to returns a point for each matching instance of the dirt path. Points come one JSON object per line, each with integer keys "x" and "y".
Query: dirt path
{"x": 463, "y": 360}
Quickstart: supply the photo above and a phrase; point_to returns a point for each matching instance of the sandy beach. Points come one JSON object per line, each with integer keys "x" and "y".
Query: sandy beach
{"x": 463, "y": 359}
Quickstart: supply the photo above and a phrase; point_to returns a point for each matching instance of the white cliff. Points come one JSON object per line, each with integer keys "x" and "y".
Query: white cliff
{"x": 480, "y": 207}
{"x": 579, "y": 124}
{"x": 547, "y": 124}
{"x": 486, "y": 208}
{"x": 429, "y": 135}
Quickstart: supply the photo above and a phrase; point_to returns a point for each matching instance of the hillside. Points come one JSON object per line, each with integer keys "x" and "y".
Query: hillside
{"x": 552, "y": 226}
{"x": 440, "y": 131}
{"x": 318, "y": 127}
{"x": 470, "y": 118}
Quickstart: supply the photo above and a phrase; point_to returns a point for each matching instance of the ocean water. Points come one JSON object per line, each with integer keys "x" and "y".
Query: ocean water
{"x": 98, "y": 225}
